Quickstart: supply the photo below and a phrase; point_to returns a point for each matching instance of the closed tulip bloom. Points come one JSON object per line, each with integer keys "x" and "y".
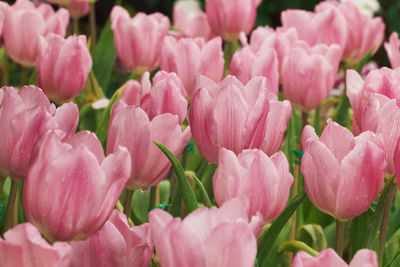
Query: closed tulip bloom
{"x": 264, "y": 181}
{"x": 228, "y": 18}
{"x": 63, "y": 66}
{"x": 3, "y": 8}
{"x": 246, "y": 64}
{"x": 303, "y": 84}
{"x": 71, "y": 188}
{"x": 205, "y": 238}
{"x": 138, "y": 39}
{"x": 189, "y": 57}
{"x": 131, "y": 127}
{"x": 393, "y": 50}
{"x": 78, "y": 8}
{"x": 24, "y": 24}
{"x": 166, "y": 95}
{"x": 23, "y": 246}
{"x": 191, "y": 20}
{"x": 228, "y": 114}
{"x": 342, "y": 175}
{"x": 116, "y": 244}
{"x": 328, "y": 257}
{"x": 25, "y": 115}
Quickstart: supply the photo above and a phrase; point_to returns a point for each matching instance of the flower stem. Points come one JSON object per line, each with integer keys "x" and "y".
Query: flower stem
{"x": 385, "y": 222}
{"x": 2, "y": 181}
{"x": 75, "y": 22}
{"x": 128, "y": 202}
{"x": 4, "y": 69}
{"x": 339, "y": 237}
{"x": 24, "y": 76}
{"x": 93, "y": 34}
{"x": 11, "y": 215}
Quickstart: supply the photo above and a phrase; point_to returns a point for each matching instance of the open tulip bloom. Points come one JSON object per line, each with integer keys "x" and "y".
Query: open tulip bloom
{"x": 198, "y": 135}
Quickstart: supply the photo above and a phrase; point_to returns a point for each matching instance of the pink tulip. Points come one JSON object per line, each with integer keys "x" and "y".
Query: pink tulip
{"x": 25, "y": 115}
{"x": 325, "y": 27}
{"x": 138, "y": 39}
{"x": 264, "y": 181}
{"x": 71, "y": 188}
{"x": 191, "y": 20}
{"x": 228, "y": 18}
{"x": 304, "y": 84}
{"x": 23, "y": 246}
{"x": 166, "y": 95}
{"x": 130, "y": 127}
{"x": 78, "y": 8}
{"x": 393, "y": 50}
{"x": 328, "y": 257}
{"x": 363, "y": 32}
{"x": 116, "y": 244}
{"x": 3, "y": 8}
{"x": 246, "y": 64}
{"x": 342, "y": 175}
{"x": 24, "y": 24}
{"x": 63, "y": 66}
{"x": 228, "y": 114}
{"x": 206, "y": 237}
{"x": 190, "y": 57}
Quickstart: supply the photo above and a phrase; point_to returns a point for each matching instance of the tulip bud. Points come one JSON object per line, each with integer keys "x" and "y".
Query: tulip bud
{"x": 138, "y": 39}
{"x": 393, "y": 50}
{"x": 71, "y": 188}
{"x": 63, "y": 66}
{"x": 78, "y": 8}
{"x": 342, "y": 175}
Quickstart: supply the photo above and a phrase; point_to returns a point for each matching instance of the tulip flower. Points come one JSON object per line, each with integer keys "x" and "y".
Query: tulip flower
{"x": 71, "y": 189}
{"x": 342, "y": 175}
{"x": 228, "y": 114}
{"x": 206, "y": 237}
{"x": 115, "y": 244}
{"x": 25, "y": 115}
{"x": 23, "y": 246}
{"x": 303, "y": 84}
{"x": 138, "y": 39}
{"x": 246, "y": 64}
{"x": 264, "y": 181}
{"x": 328, "y": 257}
{"x": 190, "y": 57}
{"x": 166, "y": 95}
{"x": 24, "y": 24}
{"x": 78, "y": 8}
{"x": 130, "y": 127}
{"x": 228, "y": 18}
{"x": 364, "y": 33}
{"x": 191, "y": 20}
{"x": 393, "y": 50}
{"x": 63, "y": 66}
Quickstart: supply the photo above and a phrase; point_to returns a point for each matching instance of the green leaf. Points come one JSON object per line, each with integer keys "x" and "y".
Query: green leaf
{"x": 294, "y": 246}
{"x": 203, "y": 191}
{"x": 313, "y": 234}
{"x": 187, "y": 193}
{"x": 359, "y": 231}
{"x": 342, "y": 115}
{"x": 364, "y": 60}
{"x": 269, "y": 237}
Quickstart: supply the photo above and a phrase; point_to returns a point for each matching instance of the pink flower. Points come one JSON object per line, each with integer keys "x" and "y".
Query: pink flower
{"x": 228, "y": 114}
{"x": 63, "y": 66}
{"x": 116, "y": 244}
{"x": 138, "y": 39}
{"x": 264, "y": 181}
{"x": 24, "y": 24}
{"x": 25, "y": 115}
{"x": 191, "y": 20}
{"x": 190, "y": 57}
{"x": 342, "y": 175}
{"x": 206, "y": 237}
{"x": 328, "y": 257}
{"x": 303, "y": 84}
{"x": 166, "y": 95}
{"x": 131, "y": 127}
{"x": 78, "y": 8}
{"x": 23, "y": 246}
{"x": 393, "y": 50}
{"x": 71, "y": 188}
{"x": 228, "y": 18}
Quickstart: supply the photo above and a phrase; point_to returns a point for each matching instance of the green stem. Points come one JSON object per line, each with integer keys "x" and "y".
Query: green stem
{"x": 228, "y": 56}
{"x": 5, "y": 69}
{"x": 11, "y": 216}
{"x": 317, "y": 120}
{"x": 385, "y": 223}
{"x": 128, "y": 202}
{"x": 304, "y": 118}
{"x": 75, "y": 22}
{"x": 2, "y": 181}
{"x": 93, "y": 34}
{"x": 339, "y": 237}
{"x": 24, "y": 75}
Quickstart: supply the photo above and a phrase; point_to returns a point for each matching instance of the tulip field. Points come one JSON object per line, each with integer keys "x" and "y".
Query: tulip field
{"x": 202, "y": 133}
